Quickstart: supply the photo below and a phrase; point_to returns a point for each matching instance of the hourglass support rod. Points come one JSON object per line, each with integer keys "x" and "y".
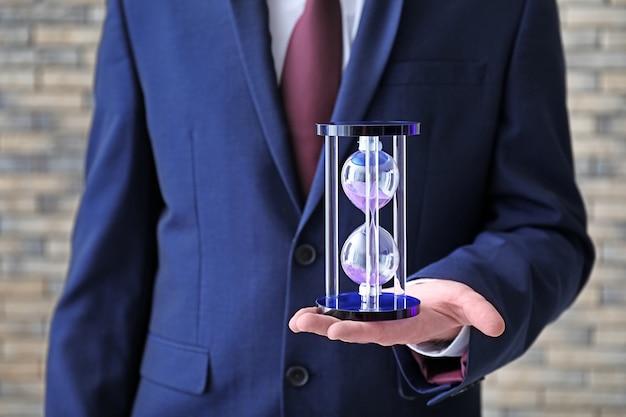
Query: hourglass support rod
{"x": 374, "y": 141}
{"x": 370, "y": 297}
{"x": 368, "y": 212}
{"x": 331, "y": 164}
{"x": 399, "y": 215}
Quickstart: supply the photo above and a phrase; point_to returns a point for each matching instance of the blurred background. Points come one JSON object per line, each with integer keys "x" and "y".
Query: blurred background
{"x": 47, "y": 54}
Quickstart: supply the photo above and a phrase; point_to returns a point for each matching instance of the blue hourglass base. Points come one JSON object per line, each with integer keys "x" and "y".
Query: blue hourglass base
{"x": 347, "y": 306}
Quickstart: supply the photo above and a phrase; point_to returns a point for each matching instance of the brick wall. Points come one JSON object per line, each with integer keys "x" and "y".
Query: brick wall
{"x": 577, "y": 368}
{"x": 46, "y": 64}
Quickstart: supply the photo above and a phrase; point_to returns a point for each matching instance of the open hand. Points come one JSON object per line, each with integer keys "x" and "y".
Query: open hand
{"x": 446, "y": 306}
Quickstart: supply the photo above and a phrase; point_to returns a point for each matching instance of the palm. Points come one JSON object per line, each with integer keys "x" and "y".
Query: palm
{"x": 446, "y": 307}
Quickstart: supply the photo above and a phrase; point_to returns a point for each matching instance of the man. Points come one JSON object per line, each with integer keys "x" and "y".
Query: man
{"x": 195, "y": 244}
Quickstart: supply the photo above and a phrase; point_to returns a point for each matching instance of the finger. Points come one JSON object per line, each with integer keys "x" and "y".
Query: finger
{"x": 385, "y": 333}
{"x": 314, "y": 322}
{"x": 294, "y": 319}
{"x": 352, "y": 331}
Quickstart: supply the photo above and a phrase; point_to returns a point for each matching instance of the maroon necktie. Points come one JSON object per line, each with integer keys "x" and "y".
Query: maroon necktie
{"x": 310, "y": 81}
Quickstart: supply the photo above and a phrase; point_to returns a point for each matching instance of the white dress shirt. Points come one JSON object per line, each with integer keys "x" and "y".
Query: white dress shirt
{"x": 283, "y": 15}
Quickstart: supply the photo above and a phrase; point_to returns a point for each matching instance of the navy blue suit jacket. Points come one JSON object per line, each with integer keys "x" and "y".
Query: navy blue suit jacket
{"x": 183, "y": 274}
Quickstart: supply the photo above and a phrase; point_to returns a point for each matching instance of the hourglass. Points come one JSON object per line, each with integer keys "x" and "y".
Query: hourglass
{"x": 370, "y": 256}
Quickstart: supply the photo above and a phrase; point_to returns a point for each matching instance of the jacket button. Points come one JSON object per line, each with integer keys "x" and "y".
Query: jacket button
{"x": 305, "y": 254}
{"x": 297, "y": 376}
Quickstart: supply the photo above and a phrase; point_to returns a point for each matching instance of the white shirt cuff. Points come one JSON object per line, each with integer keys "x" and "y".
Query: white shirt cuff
{"x": 446, "y": 349}
{"x": 453, "y": 349}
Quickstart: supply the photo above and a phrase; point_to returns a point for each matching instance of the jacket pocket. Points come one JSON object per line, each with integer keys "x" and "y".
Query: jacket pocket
{"x": 174, "y": 365}
{"x": 435, "y": 73}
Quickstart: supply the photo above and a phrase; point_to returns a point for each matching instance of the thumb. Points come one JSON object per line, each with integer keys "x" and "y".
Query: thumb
{"x": 482, "y": 315}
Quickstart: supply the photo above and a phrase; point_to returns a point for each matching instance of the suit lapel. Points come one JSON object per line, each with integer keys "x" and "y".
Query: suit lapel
{"x": 368, "y": 58}
{"x": 252, "y": 33}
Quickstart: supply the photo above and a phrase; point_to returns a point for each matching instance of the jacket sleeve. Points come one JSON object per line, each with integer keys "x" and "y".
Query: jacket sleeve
{"x": 533, "y": 255}
{"x": 99, "y": 326}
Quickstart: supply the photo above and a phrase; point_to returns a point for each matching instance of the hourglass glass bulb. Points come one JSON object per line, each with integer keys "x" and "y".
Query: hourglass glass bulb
{"x": 354, "y": 256}
{"x": 353, "y": 175}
